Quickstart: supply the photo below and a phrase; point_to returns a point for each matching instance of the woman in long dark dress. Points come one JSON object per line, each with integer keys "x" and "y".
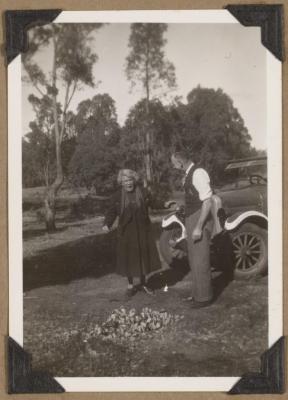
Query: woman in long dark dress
{"x": 137, "y": 254}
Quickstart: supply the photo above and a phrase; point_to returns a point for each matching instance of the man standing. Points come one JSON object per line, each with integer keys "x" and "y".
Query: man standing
{"x": 198, "y": 223}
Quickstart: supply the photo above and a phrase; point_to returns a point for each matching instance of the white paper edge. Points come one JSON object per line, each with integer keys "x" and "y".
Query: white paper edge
{"x": 143, "y": 384}
{"x": 274, "y": 145}
{"x": 275, "y": 210}
{"x": 165, "y": 16}
{"x": 15, "y": 255}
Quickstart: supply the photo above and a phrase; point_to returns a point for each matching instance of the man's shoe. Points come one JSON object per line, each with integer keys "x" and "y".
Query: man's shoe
{"x": 188, "y": 299}
{"x": 200, "y": 304}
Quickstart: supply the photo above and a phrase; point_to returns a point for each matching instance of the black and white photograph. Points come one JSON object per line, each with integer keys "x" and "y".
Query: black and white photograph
{"x": 150, "y": 167}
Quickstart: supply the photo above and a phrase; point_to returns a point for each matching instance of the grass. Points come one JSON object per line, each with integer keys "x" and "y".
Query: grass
{"x": 217, "y": 341}
{"x": 71, "y": 291}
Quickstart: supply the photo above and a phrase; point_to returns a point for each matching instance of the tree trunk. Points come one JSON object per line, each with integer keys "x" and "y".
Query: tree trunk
{"x": 49, "y": 209}
{"x": 148, "y": 147}
{"x": 46, "y": 174}
{"x": 51, "y": 193}
{"x": 147, "y": 155}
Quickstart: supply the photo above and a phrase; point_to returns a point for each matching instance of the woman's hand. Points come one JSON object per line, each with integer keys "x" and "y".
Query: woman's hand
{"x": 105, "y": 229}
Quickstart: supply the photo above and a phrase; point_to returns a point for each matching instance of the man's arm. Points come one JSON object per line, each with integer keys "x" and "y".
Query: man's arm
{"x": 205, "y": 210}
{"x": 201, "y": 182}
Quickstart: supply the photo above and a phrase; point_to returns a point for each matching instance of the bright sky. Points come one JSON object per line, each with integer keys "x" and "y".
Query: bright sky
{"x": 227, "y": 56}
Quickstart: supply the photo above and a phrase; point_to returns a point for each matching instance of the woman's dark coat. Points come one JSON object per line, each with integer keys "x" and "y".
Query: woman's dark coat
{"x": 137, "y": 254}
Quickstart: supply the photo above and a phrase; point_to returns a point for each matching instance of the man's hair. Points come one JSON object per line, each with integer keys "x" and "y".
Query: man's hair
{"x": 182, "y": 155}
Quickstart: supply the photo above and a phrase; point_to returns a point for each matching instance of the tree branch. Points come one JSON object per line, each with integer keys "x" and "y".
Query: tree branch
{"x": 59, "y": 175}
{"x": 33, "y": 82}
{"x": 38, "y": 89}
{"x": 72, "y": 94}
{"x": 65, "y": 110}
{"x": 54, "y": 60}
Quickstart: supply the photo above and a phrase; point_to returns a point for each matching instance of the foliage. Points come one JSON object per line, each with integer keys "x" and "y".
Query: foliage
{"x": 208, "y": 127}
{"x": 38, "y": 164}
{"x": 38, "y": 145}
{"x": 90, "y": 145}
{"x": 146, "y": 63}
{"x": 211, "y": 129}
{"x": 146, "y": 66}
{"x": 125, "y": 326}
{"x": 95, "y": 161}
{"x": 38, "y": 157}
{"x": 74, "y": 57}
{"x": 161, "y": 130}
{"x": 72, "y": 63}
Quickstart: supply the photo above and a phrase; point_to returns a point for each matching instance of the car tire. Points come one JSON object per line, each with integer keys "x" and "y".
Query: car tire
{"x": 250, "y": 248}
{"x": 167, "y": 251}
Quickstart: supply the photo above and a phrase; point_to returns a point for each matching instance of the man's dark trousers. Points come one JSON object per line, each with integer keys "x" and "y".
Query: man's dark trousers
{"x": 199, "y": 258}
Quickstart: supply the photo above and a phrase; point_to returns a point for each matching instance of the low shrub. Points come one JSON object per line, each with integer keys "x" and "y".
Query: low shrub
{"x": 126, "y": 325}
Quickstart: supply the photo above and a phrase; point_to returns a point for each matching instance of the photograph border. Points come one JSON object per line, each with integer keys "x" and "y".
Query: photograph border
{"x": 273, "y": 168}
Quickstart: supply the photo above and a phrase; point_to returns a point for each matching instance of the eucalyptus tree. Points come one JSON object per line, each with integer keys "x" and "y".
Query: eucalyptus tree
{"x": 212, "y": 130}
{"x": 147, "y": 67}
{"x": 72, "y": 58}
{"x": 97, "y": 156}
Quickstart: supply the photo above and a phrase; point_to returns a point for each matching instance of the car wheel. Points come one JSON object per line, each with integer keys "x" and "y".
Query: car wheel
{"x": 250, "y": 248}
{"x": 167, "y": 245}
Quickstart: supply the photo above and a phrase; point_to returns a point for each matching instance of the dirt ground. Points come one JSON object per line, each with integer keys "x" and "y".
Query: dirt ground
{"x": 70, "y": 286}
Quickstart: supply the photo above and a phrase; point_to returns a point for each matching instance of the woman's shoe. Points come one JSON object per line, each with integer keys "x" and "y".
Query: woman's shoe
{"x": 147, "y": 290}
{"x": 130, "y": 292}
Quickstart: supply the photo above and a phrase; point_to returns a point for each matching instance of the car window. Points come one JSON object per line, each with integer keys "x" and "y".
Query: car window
{"x": 237, "y": 178}
{"x": 260, "y": 170}
{"x": 229, "y": 179}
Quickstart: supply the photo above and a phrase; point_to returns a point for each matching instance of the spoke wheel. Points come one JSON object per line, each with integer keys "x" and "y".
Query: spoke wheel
{"x": 250, "y": 250}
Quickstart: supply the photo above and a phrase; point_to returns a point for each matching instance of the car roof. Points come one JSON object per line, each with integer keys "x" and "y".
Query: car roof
{"x": 246, "y": 162}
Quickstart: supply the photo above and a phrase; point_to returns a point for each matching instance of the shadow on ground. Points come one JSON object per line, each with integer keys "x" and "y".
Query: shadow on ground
{"x": 94, "y": 256}
{"x": 90, "y": 256}
{"x": 35, "y": 233}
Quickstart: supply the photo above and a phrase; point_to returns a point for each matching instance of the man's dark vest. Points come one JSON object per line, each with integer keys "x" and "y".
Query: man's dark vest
{"x": 192, "y": 200}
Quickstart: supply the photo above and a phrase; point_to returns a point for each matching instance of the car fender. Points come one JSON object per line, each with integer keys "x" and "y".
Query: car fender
{"x": 235, "y": 220}
{"x": 173, "y": 219}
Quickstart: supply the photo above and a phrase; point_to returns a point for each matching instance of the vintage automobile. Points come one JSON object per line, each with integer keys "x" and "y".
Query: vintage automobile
{"x": 242, "y": 212}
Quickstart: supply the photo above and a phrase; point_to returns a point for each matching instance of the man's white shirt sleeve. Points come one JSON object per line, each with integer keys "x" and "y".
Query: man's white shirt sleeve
{"x": 201, "y": 182}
